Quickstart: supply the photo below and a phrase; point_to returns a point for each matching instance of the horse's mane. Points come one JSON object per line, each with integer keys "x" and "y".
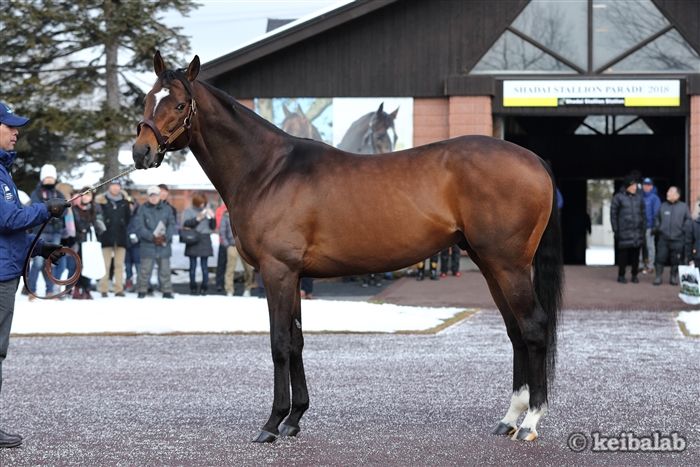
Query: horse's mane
{"x": 233, "y": 106}
{"x": 227, "y": 101}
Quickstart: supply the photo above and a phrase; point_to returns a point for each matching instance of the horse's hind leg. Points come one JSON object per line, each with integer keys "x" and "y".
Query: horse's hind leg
{"x": 300, "y": 394}
{"x": 518, "y": 291}
{"x": 520, "y": 396}
{"x": 527, "y": 329}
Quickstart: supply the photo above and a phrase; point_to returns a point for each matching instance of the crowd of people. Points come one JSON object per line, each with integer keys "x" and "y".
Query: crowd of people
{"x": 135, "y": 238}
{"x": 650, "y": 234}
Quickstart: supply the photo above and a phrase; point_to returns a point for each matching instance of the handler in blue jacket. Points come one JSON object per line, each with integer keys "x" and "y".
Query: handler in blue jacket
{"x": 14, "y": 239}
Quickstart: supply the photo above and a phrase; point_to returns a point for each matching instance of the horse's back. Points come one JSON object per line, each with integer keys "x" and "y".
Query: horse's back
{"x": 409, "y": 203}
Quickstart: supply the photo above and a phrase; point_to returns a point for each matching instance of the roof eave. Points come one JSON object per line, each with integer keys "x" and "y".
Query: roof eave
{"x": 290, "y": 36}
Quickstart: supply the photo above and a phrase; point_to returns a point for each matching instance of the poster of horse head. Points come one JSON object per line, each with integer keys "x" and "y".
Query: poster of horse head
{"x": 372, "y": 125}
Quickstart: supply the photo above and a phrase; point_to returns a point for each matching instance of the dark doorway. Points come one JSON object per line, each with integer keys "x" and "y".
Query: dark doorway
{"x": 601, "y": 147}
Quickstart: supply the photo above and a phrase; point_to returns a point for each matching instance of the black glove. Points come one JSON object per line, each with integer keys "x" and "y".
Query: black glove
{"x": 68, "y": 241}
{"x": 51, "y": 251}
{"x": 57, "y": 206}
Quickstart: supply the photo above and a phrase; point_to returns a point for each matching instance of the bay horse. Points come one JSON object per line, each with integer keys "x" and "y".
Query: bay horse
{"x": 369, "y": 134}
{"x": 298, "y": 124}
{"x": 299, "y": 208}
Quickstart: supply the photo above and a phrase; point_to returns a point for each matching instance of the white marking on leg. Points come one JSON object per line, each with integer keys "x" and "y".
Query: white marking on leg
{"x": 533, "y": 417}
{"x": 159, "y": 97}
{"x": 518, "y": 404}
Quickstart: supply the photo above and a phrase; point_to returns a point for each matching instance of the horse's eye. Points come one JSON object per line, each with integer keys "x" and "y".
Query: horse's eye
{"x": 180, "y": 107}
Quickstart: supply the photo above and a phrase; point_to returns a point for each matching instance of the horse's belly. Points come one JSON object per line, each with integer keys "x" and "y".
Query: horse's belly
{"x": 383, "y": 251}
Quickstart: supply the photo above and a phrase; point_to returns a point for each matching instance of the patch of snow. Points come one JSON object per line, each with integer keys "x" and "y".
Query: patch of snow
{"x": 691, "y": 320}
{"x": 212, "y": 314}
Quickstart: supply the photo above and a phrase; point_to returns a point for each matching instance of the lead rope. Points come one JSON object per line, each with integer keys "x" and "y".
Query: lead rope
{"x": 48, "y": 269}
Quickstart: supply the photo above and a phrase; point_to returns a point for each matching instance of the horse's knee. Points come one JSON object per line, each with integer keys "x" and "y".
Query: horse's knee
{"x": 280, "y": 354}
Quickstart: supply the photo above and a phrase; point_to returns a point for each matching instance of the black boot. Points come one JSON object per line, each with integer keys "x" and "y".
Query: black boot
{"x": 674, "y": 276}
{"x": 203, "y": 290}
{"x": 659, "y": 273}
{"x": 433, "y": 269}
{"x": 193, "y": 290}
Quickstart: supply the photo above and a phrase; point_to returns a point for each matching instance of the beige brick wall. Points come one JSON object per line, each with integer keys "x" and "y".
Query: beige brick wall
{"x": 694, "y": 148}
{"x": 470, "y": 115}
{"x": 430, "y": 120}
{"x": 247, "y": 102}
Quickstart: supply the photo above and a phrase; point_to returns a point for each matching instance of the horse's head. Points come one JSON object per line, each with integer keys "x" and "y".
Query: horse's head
{"x": 298, "y": 124}
{"x": 377, "y": 135}
{"x": 168, "y": 113}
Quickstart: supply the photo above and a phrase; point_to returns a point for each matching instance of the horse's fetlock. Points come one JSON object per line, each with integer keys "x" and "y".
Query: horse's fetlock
{"x": 281, "y": 411}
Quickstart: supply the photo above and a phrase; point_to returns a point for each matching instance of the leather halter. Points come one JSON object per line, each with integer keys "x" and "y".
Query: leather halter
{"x": 164, "y": 144}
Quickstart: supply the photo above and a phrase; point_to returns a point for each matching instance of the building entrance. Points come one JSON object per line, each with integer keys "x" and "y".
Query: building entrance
{"x": 601, "y": 147}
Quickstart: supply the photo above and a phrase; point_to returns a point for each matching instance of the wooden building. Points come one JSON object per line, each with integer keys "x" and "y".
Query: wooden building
{"x": 598, "y": 87}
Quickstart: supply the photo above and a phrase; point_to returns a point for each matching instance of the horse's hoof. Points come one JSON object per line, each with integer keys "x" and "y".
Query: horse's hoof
{"x": 525, "y": 434}
{"x": 503, "y": 429}
{"x": 288, "y": 430}
{"x": 265, "y": 437}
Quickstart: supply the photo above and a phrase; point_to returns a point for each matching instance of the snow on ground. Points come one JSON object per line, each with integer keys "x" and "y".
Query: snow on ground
{"x": 212, "y": 314}
{"x": 600, "y": 256}
{"x": 691, "y": 320}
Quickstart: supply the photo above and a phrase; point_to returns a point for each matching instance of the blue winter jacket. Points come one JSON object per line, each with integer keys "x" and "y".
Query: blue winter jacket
{"x": 14, "y": 222}
{"x": 652, "y": 203}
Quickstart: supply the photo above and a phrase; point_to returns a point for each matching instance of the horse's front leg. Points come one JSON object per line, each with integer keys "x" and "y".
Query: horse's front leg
{"x": 281, "y": 284}
{"x": 300, "y": 394}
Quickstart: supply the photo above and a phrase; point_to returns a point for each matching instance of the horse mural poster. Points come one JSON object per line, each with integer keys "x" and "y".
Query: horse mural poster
{"x": 349, "y": 123}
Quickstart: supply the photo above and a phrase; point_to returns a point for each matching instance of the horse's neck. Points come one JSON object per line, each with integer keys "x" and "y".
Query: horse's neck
{"x": 232, "y": 141}
{"x": 353, "y": 140}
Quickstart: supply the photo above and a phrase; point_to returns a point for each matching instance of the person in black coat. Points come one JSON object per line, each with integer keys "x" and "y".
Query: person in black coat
{"x": 628, "y": 219}
{"x": 45, "y": 190}
{"x": 114, "y": 213}
{"x": 85, "y": 216}
{"x": 673, "y": 228}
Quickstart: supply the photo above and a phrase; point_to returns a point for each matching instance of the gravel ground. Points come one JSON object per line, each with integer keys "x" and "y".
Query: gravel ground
{"x": 375, "y": 399}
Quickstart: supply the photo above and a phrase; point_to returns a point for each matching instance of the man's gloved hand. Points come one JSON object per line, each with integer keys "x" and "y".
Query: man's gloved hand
{"x": 68, "y": 241}
{"x": 50, "y": 251}
{"x": 57, "y": 206}
{"x": 159, "y": 240}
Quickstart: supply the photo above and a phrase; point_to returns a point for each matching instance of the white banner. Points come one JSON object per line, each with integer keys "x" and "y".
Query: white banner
{"x": 628, "y": 93}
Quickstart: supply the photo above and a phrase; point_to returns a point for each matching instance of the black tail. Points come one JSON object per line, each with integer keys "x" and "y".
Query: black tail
{"x": 549, "y": 278}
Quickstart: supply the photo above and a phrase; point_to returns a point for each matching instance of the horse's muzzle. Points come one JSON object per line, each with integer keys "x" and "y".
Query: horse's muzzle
{"x": 145, "y": 157}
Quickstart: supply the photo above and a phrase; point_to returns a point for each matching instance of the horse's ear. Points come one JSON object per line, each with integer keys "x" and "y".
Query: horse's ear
{"x": 381, "y": 108}
{"x": 158, "y": 63}
{"x": 394, "y": 113}
{"x": 193, "y": 69}
{"x": 285, "y": 110}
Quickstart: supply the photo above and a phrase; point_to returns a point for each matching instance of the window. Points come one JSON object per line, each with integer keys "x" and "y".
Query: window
{"x": 589, "y": 37}
{"x": 613, "y": 125}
